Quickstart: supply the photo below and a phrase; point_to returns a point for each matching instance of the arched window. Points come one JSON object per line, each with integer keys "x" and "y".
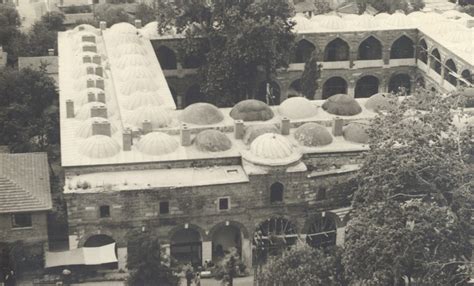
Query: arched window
{"x": 334, "y": 86}
{"x": 370, "y": 49}
{"x": 400, "y": 83}
{"x": 402, "y": 48}
{"x": 336, "y": 50}
{"x": 276, "y": 192}
{"x": 269, "y": 92}
{"x": 466, "y": 74}
{"x": 423, "y": 52}
{"x": 450, "y": 67}
{"x": 166, "y": 58}
{"x": 366, "y": 86}
{"x": 322, "y": 231}
{"x": 436, "y": 61}
{"x": 304, "y": 50}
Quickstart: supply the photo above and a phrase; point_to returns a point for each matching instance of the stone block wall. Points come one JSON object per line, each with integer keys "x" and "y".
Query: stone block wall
{"x": 38, "y": 232}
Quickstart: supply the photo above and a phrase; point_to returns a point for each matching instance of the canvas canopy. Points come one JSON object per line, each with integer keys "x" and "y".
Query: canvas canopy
{"x": 82, "y": 256}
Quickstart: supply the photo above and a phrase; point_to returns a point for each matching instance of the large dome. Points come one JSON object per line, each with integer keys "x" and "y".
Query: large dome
{"x": 201, "y": 113}
{"x": 85, "y": 129}
{"x": 157, "y": 143}
{"x": 141, "y": 98}
{"x": 81, "y": 69}
{"x": 366, "y": 22}
{"x": 138, "y": 84}
{"x": 303, "y": 24}
{"x": 99, "y": 146}
{"x": 254, "y": 131}
{"x": 356, "y": 132}
{"x": 297, "y": 108}
{"x": 123, "y": 28}
{"x": 273, "y": 150}
{"x": 81, "y": 83}
{"x": 313, "y": 135}
{"x": 132, "y": 60}
{"x": 398, "y": 20}
{"x": 342, "y": 104}
{"x": 251, "y": 110}
{"x": 158, "y": 116}
{"x": 86, "y": 28}
{"x": 332, "y": 22}
{"x": 378, "y": 101}
{"x": 150, "y": 30}
{"x": 134, "y": 72}
{"x": 129, "y": 49}
{"x": 83, "y": 97}
{"x": 212, "y": 141}
{"x": 85, "y": 111}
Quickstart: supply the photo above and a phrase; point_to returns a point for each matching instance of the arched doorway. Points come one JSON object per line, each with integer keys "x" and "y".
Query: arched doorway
{"x": 225, "y": 238}
{"x": 423, "y": 52}
{"x": 402, "y": 48}
{"x": 366, "y": 86}
{"x": 436, "y": 61}
{"x": 166, "y": 58}
{"x": 466, "y": 74}
{"x": 273, "y": 236}
{"x": 102, "y": 240}
{"x": 370, "y": 49}
{"x": 334, "y": 86}
{"x": 336, "y": 50}
{"x": 304, "y": 50}
{"x": 269, "y": 92}
{"x": 321, "y": 231}
{"x": 400, "y": 83}
{"x": 194, "y": 95}
{"x": 186, "y": 246}
{"x": 450, "y": 67}
{"x": 295, "y": 88}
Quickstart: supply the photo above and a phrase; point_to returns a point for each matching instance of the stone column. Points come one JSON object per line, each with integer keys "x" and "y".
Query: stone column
{"x": 247, "y": 252}
{"x": 206, "y": 251}
{"x": 351, "y": 87}
{"x": 340, "y": 235}
{"x": 386, "y": 56}
{"x": 122, "y": 257}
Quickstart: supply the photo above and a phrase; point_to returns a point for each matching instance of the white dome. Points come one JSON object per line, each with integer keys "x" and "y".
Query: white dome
{"x": 272, "y": 149}
{"x": 427, "y": 18}
{"x": 78, "y": 36}
{"x": 86, "y": 28}
{"x": 85, "y": 111}
{"x": 140, "y": 98}
{"x": 81, "y": 83}
{"x": 85, "y": 129}
{"x": 138, "y": 84}
{"x": 366, "y": 22}
{"x": 99, "y": 146}
{"x": 150, "y": 29}
{"x": 131, "y": 60}
{"x": 303, "y": 24}
{"x": 81, "y": 69}
{"x": 398, "y": 20}
{"x": 332, "y": 22}
{"x": 158, "y": 116}
{"x": 297, "y": 108}
{"x": 79, "y": 96}
{"x": 129, "y": 49}
{"x": 382, "y": 16}
{"x": 157, "y": 143}
{"x": 133, "y": 72}
{"x": 124, "y": 38}
{"x": 123, "y": 28}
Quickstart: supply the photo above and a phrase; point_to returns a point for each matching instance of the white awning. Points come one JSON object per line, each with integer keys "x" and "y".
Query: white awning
{"x": 82, "y": 256}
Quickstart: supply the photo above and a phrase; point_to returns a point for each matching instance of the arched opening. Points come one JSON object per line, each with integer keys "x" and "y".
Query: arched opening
{"x": 402, "y": 48}
{"x": 193, "y": 61}
{"x": 336, "y": 50}
{"x": 186, "y": 247}
{"x": 322, "y": 231}
{"x": 224, "y": 239}
{"x": 450, "y": 67}
{"x": 166, "y": 58}
{"x": 273, "y": 236}
{"x": 102, "y": 240}
{"x": 366, "y": 86}
{"x": 334, "y": 86}
{"x": 194, "y": 94}
{"x": 400, "y": 83}
{"x": 466, "y": 74}
{"x": 295, "y": 89}
{"x": 269, "y": 92}
{"x": 420, "y": 82}
{"x": 436, "y": 61}
{"x": 276, "y": 192}
{"x": 304, "y": 50}
{"x": 370, "y": 49}
{"x": 423, "y": 52}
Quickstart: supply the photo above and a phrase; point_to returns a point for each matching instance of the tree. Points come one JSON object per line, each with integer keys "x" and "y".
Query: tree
{"x": 9, "y": 23}
{"x": 110, "y": 13}
{"x": 229, "y": 268}
{"x": 309, "y": 79}
{"x": 54, "y": 21}
{"x": 387, "y": 6}
{"x": 145, "y": 13}
{"x": 147, "y": 263}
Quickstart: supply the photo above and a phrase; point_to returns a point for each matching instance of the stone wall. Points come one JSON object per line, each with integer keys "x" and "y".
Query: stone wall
{"x": 38, "y": 232}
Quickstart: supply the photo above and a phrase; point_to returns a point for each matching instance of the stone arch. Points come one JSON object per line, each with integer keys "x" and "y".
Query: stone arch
{"x": 321, "y": 230}
{"x": 400, "y": 82}
{"x": 195, "y": 227}
{"x": 366, "y": 86}
{"x": 166, "y": 58}
{"x": 194, "y": 95}
{"x": 402, "y": 48}
{"x": 270, "y": 94}
{"x": 277, "y": 192}
{"x": 241, "y": 226}
{"x": 467, "y": 75}
{"x": 98, "y": 240}
{"x": 370, "y": 49}
{"x": 334, "y": 85}
{"x": 227, "y": 235}
{"x": 436, "y": 61}
{"x": 449, "y": 67}
{"x": 336, "y": 50}
{"x": 423, "y": 51}
{"x": 106, "y": 232}
{"x": 186, "y": 244}
{"x": 303, "y": 51}
{"x": 274, "y": 235}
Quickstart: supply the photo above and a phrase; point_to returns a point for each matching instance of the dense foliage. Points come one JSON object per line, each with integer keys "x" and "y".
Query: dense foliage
{"x": 229, "y": 267}
{"x": 309, "y": 79}
{"x": 390, "y": 6}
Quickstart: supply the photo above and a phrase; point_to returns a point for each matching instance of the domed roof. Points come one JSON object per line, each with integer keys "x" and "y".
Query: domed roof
{"x": 382, "y": 16}
{"x": 297, "y": 108}
{"x": 132, "y": 72}
{"x": 254, "y": 131}
{"x": 441, "y": 28}
{"x": 79, "y": 47}
{"x": 201, "y": 113}
{"x": 302, "y": 23}
{"x": 273, "y": 150}
{"x": 140, "y": 98}
{"x": 138, "y": 84}
{"x": 313, "y": 135}
{"x": 81, "y": 69}
{"x": 123, "y": 28}
{"x": 85, "y": 111}
{"x": 427, "y": 18}
{"x": 86, "y": 28}
{"x": 131, "y": 60}
{"x": 157, "y": 143}
{"x": 158, "y": 116}
{"x": 378, "y": 101}
{"x": 212, "y": 141}
{"x": 332, "y": 22}
{"x": 366, "y": 21}
{"x": 129, "y": 49}
{"x": 83, "y": 97}
{"x": 78, "y": 35}
{"x": 251, "y": 110}
{"x": 150, "y": 29}
{"x": 460, "y": 36}
{"x": 99, "y": 146}
{"x": 342, "y": 104}
{"x": 85, "y": 129}
{"x": 356, "y": 132}
{"x": 398, "y": 20}
{"x": 124, "y": 38}
{"x": 81, "y": 83}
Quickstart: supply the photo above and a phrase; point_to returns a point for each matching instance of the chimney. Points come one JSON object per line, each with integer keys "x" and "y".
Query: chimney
{"x": 285, "y": 126}
{"x": 101, "y": 97}
{"x": 69, "y": 108}
{"x": 146, "y": 126}
{"x": 90, "y": 97}
{"x": 89, "y": 49}
{"x": 239, "y": 129}
{"x": 99, "y": 111}
{"x": 337, "y": 124}
{"x": 101, "y": 128}
{"x": 138, "y": 24}
{"x": 185, "y": 135}
{"x": 96, "y": 59}
{"x": 102, "y": 25}
{"x": 99, "y": 71}
{"x": 86, "y": 59}
{"x": 50, "y": 52}
{"x": 90, "y": 70}
{"x": 90, "y": 83}
{"x": 127, "y": 140}
{"x": 99, "y": 84}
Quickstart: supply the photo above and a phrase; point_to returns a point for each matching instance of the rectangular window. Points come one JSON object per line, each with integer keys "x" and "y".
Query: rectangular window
{"x": 21, "y": 220}
{"x": 104, "y": 211}
{"x": 224, "y": 204}
{"x": 164, "y": 207}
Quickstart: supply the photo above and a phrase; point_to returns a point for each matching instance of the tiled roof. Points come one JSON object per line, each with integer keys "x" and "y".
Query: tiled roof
{"x": 24, "y": 182}
{"x": 35, "y": 63}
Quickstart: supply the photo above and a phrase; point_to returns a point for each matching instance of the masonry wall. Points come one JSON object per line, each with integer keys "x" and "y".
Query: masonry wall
{"x": 37, "y": 233}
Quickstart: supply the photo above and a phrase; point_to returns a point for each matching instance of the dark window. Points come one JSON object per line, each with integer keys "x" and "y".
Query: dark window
{"x": 164, "y": 207}
{"x": 223, "y": 203}
{"x": 370, "y": 49}
{"x": 276, "y": 193}
{"x": 21, "y": 220}
{"x": 104, "y": 211}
